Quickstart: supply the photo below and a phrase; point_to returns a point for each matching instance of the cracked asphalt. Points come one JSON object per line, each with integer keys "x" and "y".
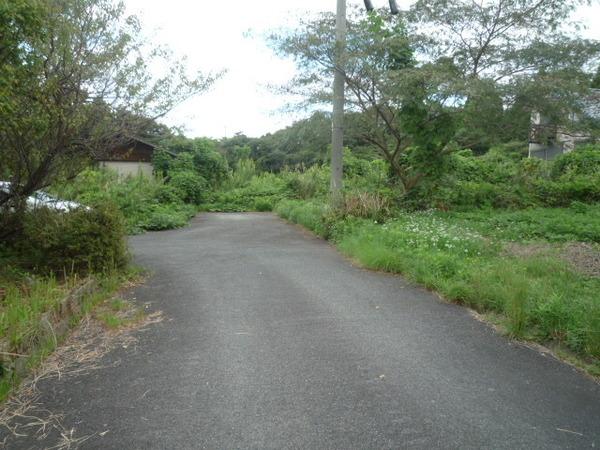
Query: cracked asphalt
{"x": 274, "y": 340}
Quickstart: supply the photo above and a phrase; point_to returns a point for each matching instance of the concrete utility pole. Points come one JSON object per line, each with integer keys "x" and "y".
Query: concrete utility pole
{"x": 337, "y": 135}
{"x": 339, "y": 84}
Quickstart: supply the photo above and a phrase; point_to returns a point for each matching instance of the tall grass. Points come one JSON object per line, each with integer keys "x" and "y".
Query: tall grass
{"x": 25, "y": 299}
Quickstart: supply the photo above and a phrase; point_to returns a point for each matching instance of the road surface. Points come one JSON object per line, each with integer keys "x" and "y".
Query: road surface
{"x": 274, "y": 340}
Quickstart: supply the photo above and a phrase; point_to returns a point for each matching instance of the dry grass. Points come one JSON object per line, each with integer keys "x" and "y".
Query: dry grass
{"x": 23, "y": 415}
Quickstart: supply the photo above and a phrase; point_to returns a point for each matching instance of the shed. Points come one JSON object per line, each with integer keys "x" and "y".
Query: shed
{"x": 134, "y": 157}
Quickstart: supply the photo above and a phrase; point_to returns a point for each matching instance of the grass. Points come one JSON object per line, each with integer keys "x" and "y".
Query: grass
{"x": 538, "y": 298}
{"x": 580, "y": 222}
{"x": 28, "y": 298}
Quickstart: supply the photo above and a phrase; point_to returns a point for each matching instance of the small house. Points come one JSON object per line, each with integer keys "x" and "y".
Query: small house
{"x": 134, "y": 157}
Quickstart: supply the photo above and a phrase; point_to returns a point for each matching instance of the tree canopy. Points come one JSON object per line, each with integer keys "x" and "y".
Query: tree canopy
{"x": 446, "y": 75}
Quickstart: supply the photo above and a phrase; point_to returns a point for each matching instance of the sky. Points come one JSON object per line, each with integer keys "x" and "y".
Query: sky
{"x": 230, "y": 35}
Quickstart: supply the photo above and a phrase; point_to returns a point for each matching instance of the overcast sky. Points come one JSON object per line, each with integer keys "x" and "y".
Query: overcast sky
{"x": 218, "y": 35}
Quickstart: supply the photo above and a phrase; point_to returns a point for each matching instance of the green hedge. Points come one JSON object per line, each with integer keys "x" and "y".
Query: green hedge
{"x": 81, "y": 241}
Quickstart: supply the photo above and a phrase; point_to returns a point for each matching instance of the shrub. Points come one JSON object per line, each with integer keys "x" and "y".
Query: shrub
{"x": 167, "y": 193}
{"x": 263, "y": 205}
{"x": 311, "y": 215}
{"x": 167, "y": 217}
{"x": 245, "y": 170}
{"x": 190, "y": 187}
{"x": 267, "y": 187}
{"x": 304, "y": 185}
{"x": 80, "y": 241}
{"x": 582, "y": 161}
{"x": 568, "y": 189}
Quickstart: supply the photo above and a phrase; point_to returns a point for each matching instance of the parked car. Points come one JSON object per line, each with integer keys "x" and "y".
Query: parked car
{"x": 41, "y": 199}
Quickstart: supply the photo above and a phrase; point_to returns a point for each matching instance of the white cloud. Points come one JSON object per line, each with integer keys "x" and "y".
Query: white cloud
{"x": 214, "y": 36}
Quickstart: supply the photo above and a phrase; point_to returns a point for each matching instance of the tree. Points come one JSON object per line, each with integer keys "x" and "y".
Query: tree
{"x": 76, "y": 79}
{"x": 596, "y": 80}
{"x": 510, "y": 54}
{"x": 199, "y": 155}
{"x": 405, "y": 107}
{"x": 447, "y": 74}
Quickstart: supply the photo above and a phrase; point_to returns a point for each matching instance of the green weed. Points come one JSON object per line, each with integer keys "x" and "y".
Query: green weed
{"x": 538, "y": 298}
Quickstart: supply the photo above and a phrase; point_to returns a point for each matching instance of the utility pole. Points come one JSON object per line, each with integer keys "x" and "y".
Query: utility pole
{"x": 339, "y": 83}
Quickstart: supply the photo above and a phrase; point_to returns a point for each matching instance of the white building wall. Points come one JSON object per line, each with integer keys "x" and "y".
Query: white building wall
{"x": 126, "y": 168}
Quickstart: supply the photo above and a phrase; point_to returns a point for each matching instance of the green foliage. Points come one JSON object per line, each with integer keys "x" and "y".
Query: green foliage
{"x": 309, "y": 214}
{"x": 245, "y": 170}
{"x": 146, "y": 203}
{"x": 261, "y": 190}
{"x": 313, "y": 182}
{"x": 366, "y": 205}
{"x": 304, "y": 143}
{"x": 167, "y": 217}
{"x": 80, "y": 241}
{"x": 539, "y": 298}
{"x": 27, "y": 298}
{"x": 402, "y": 108}
{"x": 198, "y": 155}
{"x": 75, "y": 80}
{"x": 501, "y": 178}
{"x": 596, "y": 79}
{"x": 578, "y": 223}
{"x": 183, "y": 162}
{"x": 263, "y": 205}
{"x": 585, "y": 161}
{"x": 161, "y": 162}
{"x": 191, "y": 187}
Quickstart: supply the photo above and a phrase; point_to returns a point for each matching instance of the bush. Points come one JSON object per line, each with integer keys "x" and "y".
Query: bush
{"x": 167, "y": 217}
{"x": 308, "y": 184}
{"x": 266, "y": 188}
{"x": 144, "y": 201}
{"x": 78, "y": 242}
{"x": 167, "y": 193}
{"x": 263, "y": 205}
{"x": 312, "y": 215}
{"x": 245, "y": 170}
{"x": 582, "y": 161}
{"x": 190, "y": 187}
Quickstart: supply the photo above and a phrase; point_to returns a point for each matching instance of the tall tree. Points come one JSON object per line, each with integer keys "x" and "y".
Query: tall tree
{"x": 405, "y": 106}
{"x": 76, "y": 79}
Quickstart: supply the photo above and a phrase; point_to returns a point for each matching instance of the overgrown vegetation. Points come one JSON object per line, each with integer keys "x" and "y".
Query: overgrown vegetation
{"x": 145, "y": 203}
{"x": 438, "y": 185}
{"x": 75, "y": 81}
{"x": 29, "y": 304}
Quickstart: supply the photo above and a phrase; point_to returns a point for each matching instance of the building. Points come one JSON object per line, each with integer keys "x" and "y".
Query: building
{"x": 547, "y": 140}
{"x": 132, "y": 158}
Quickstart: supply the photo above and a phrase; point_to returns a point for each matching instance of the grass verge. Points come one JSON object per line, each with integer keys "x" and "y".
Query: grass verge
{"x": 538, "y": 298}
{"x": 29, "y": 306}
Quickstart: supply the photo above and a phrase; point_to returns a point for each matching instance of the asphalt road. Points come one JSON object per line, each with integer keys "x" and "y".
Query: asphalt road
{"x": 277, "y": 341}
